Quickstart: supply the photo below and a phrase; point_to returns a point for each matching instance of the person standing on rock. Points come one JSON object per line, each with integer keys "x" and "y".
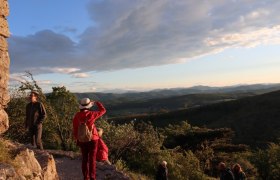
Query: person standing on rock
{"x": 35, "y": 115}
{"x": 84, "y": 120}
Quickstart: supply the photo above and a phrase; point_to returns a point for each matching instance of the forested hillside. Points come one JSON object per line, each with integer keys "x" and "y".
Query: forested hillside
{"x": 255, "y": 120}
{"x": 160, "y": 105}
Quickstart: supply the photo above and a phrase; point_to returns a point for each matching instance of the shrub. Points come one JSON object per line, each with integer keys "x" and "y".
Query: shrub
{"x": 268, "y": 162}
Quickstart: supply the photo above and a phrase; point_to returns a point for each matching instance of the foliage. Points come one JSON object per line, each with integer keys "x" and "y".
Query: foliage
{"x": 182, "y": 165}
{"x": 255, "y": 120}
{"x": 138, "y": 176}
{"x": 65, "y": 105}
{"x": 16, "y": 112}
{"x": 56, "y": 127}
{"x": 138, "y": 147}
{"x": 268, "y": 162}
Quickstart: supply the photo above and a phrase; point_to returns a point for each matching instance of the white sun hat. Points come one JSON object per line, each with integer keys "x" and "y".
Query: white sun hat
{"x": 85, "y": 103}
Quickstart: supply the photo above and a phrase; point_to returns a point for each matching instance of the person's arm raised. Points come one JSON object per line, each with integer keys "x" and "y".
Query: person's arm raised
{"x": 101, "y": 109}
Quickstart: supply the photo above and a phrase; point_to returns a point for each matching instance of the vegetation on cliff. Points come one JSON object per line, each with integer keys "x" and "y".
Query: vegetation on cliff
{"x": 138, "y": 146}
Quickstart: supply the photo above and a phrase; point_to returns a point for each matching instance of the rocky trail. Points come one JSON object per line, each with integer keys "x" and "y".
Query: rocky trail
{"x": 68, "y": 166}
{"x": 31, "y": 163}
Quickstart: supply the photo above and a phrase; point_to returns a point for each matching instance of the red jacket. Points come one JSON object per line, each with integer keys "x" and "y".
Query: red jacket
{"x": 92, "y": 116}
{"x": 102, "y": 151}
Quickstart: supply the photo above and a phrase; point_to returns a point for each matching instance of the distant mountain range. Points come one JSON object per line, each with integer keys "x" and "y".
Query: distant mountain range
{"x": 162, "y": 93}
{"x": 163, "y": 100}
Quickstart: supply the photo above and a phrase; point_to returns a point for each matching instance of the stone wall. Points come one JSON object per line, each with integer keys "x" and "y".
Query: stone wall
{"x": 4, "y": 64}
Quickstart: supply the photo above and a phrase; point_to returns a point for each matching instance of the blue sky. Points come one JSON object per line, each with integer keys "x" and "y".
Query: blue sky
{"x": 108, "y": 45}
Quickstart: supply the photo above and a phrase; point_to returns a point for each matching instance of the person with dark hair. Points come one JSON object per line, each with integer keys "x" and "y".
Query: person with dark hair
{"x": 88, "y": 144}
{"x": 238, "y": 172}
{"x": 162, "y": 171}
{"x": 35, "y": 115}
{"x": 225, "y": 173}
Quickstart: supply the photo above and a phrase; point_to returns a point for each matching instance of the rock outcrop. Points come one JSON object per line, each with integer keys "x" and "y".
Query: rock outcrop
{"x": 4, "y": 65}
{"x": 28, "y": 163}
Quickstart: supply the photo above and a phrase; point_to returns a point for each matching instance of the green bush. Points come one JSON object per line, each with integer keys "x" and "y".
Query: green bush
{"x": 61, "y": 105}
{"x": 182, "y": 165}
{"x": 268, "y": 162}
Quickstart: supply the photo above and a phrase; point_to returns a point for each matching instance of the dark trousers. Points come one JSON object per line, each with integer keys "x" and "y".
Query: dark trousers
{"x": 36, "y": 135}
{"x": 89, "y": 151}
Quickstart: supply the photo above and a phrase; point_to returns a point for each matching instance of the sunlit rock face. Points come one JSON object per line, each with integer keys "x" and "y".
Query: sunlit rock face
{"x": 4, "y": 65}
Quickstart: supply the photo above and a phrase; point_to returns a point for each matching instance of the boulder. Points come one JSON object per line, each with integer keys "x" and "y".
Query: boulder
{"x": 47, "y": 164}
{"x": 28, "y": 163}
{"x": 7, "y": 172}
{"x": 28, "y": 166}
{"x": 4, "y": 121}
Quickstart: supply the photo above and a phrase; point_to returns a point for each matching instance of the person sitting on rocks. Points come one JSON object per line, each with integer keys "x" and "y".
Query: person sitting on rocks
{"x": 102, "y": 149}
{"x": 226, "y": 173}
{"x": 162, "y": 171}
{"x": 238, "y": 172}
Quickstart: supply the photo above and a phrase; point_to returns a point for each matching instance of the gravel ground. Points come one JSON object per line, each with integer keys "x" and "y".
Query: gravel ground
{"x": 69, "y": 169}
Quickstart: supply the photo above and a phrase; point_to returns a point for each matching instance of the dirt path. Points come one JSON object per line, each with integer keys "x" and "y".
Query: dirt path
{"x": 69, "y": 169}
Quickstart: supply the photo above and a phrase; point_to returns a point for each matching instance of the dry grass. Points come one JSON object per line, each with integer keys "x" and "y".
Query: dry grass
{"x": 5, "y": 155}
{"x": 137, "y": 176}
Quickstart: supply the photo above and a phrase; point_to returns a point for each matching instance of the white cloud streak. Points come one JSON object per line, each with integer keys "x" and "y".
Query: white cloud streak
{"x": 80, "y": 75}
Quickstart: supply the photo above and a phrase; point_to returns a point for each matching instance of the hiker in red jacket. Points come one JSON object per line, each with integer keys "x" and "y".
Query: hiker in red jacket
{"x": 102, "y": 149}
{"x": 88, "y": 149}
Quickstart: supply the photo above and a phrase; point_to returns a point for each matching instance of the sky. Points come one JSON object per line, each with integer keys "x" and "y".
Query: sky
{"x": 140, "y": 45}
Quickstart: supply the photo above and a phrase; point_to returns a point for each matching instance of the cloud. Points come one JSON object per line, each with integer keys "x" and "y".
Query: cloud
{"x": 80, "y": 75}
{"x": 62, "y": 70}
{"x": 64, "y": 29}
{"x": 133, "y": 34}
{"x": 247, "y": 39}
{"x": 44, "y": 82}
{"x": 17, "y": 77}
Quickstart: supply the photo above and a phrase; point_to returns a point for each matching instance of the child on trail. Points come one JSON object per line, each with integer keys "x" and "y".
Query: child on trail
{"x": 102, "y": 149}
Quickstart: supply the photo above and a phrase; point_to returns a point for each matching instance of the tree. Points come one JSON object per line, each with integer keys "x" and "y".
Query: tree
{"x": 65, "y": 105}
{"x": 16, "y": 112}
{"x": 60, "y": 106}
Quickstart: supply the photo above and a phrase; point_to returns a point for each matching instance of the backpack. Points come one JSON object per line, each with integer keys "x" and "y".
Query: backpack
{"x": 84, "y": 133}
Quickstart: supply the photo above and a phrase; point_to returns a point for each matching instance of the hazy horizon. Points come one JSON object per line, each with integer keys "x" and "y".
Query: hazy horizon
{"x": 120, "y": 91}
